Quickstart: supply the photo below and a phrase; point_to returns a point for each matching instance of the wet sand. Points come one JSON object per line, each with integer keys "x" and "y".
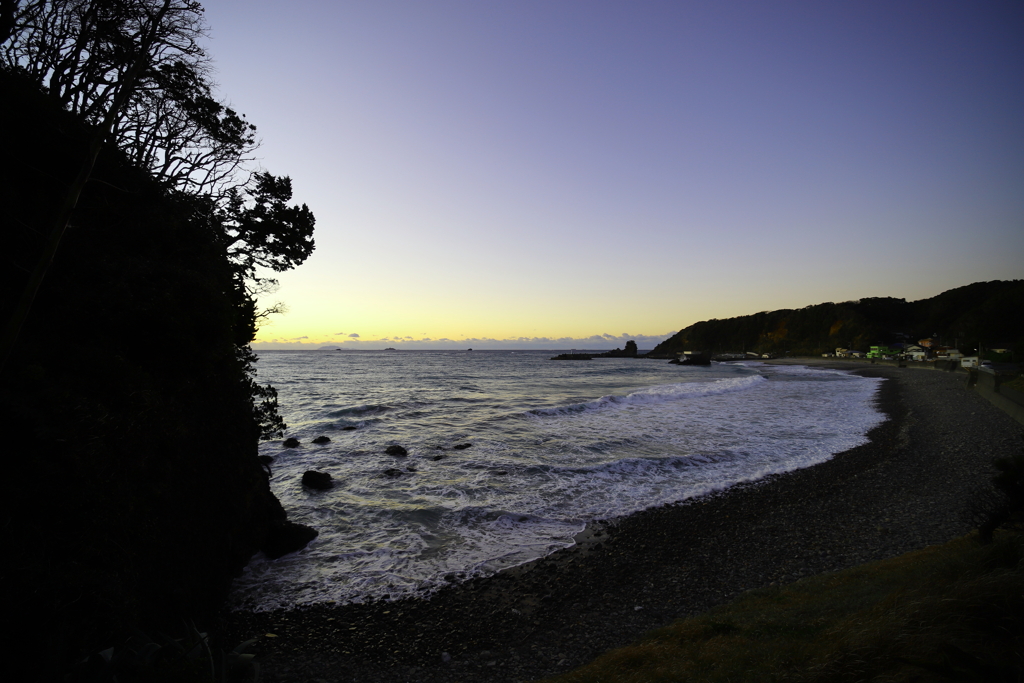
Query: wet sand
{"x": 905, "y": 489}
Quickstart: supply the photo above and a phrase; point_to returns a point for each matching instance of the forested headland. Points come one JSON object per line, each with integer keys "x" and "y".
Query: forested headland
{"x": 983, "y": 314}
{"x": 137, "y": 235}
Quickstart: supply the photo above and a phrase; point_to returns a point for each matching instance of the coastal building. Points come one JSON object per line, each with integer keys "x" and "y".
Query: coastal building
{"x": 882, "y": 352}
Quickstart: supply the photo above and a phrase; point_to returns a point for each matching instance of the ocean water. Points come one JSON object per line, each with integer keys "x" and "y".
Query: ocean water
{"x": 554, "y": 445}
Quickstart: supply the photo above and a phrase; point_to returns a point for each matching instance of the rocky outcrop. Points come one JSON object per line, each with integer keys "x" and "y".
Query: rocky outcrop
{"x": 321, "y": 481}
{"x": 396, "y": 450}
{"x": 286, "y": 537}
{"x": 629, "y": 352}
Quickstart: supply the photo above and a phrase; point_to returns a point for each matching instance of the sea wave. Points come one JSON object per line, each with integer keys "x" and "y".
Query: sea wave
{"x": 657, "y": 394}
{"x": 359, "y": 411}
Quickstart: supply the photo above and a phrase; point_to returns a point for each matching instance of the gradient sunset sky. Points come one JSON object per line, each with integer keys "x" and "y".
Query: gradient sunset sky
{"x": 578, "y": 173}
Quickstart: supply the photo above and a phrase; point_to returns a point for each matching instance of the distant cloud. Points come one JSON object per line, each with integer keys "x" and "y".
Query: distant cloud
{"x": 597, "y": 342}
{"x": 337, "y": 333}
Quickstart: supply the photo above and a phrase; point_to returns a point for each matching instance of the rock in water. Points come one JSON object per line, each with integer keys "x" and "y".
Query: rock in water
{"x": 316, "y": 480}
{"x": 321, "y": 439}
{"x": 290, "y": 443}
{"x": 287, "y": 537}
{"x": 396, "y": 450}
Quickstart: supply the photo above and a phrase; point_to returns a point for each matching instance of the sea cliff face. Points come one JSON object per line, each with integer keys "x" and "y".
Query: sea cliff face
{"x": 134, "y": 488}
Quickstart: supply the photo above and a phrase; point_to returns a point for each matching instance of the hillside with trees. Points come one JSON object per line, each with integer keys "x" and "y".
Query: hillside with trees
{"x": 983, "y": 314}
{"x": 135, "y": 235}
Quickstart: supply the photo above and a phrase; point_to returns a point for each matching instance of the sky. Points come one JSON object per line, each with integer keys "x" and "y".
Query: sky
{"x": 573, "y": 174}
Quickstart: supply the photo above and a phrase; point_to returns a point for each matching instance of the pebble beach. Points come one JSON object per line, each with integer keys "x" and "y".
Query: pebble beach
{"x": 907, "y": 488}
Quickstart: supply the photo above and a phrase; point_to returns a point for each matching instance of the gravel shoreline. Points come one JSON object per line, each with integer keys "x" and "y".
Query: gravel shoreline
{"x": 903, "y": 490}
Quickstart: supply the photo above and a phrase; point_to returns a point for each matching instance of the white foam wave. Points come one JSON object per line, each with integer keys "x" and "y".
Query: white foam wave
{"x": 526, "y": 488}
{"x": 659, "y": 394}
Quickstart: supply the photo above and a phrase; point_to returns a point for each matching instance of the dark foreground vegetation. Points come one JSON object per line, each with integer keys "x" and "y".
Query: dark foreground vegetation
{"x": 983, "y": 314}
{"x": 131, "y": 237}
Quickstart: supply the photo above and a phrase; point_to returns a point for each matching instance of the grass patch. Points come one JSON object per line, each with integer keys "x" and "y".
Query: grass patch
{"x": 1015, "y": 383}
{"x": 953, "y": 612}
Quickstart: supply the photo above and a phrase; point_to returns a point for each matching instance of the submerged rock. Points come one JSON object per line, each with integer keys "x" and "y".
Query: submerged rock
{"x": 316, "y": 480}
{"x": 461, "y": 446}
{"x": 291, "y": 442}
{"x": 396, "y": 450}
{"x": 392, "y": 472}
{"x": 321, "y": 439}
{"x": 349, "y": 428}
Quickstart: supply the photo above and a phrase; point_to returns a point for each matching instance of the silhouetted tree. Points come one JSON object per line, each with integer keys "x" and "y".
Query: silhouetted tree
{"x": 261, "y": 229}
{"x": 187, "y": 139}
{"x": 7, "y": 11}
{"x": 134, "y": 72}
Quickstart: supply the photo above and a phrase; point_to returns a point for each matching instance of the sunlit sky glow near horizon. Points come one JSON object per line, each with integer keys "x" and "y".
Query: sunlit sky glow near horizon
{"x": 560, "y": 170}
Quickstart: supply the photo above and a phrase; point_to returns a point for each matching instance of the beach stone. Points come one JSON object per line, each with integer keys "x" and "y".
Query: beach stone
{"x": 316, "y": 480}
{"x": 396, "y": 450}
{"x": 321, "y": 439}
{"x": 287, "y": 537}
{"x": 291, "y": 442}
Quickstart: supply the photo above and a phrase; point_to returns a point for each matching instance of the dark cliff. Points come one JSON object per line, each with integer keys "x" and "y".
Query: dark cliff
{"x": 134, "y": 492}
